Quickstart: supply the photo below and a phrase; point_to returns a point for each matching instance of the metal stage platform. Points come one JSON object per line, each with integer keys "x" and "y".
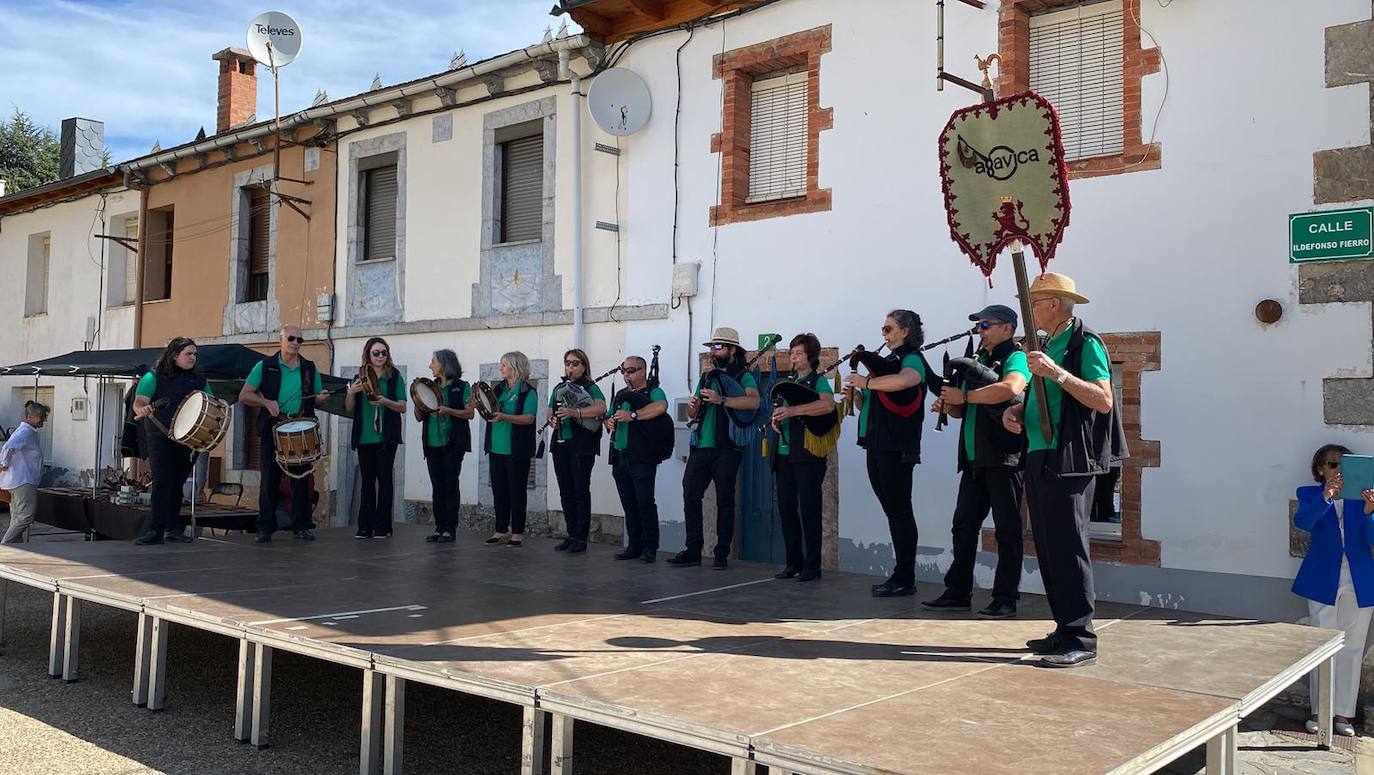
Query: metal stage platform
{"x": 801, "y": 678}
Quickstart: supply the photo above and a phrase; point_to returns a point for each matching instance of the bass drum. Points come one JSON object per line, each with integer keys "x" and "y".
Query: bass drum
{"x": 200, "y": 422}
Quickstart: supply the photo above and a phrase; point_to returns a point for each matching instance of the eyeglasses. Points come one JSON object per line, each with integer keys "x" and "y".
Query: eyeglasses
{"x": 380, "y": 353}
{"x": 631, "y": 369}
{"x": 1333, "y": 464}
{"x": 1037, "y": 301}
{"x": 572, "y": 363}
{"x": 296, "y": 339}
{"x": 888, "y": 329}
{"x": 718, "y": 346}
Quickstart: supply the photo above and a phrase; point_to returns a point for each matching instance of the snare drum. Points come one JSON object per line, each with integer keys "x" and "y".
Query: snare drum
{"x": 427, "y": 397}
{"x": 297, "y": 441}
{"x": 200, "y": 421}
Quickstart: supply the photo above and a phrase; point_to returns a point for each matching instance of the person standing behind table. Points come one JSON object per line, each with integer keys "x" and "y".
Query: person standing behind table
{"x": 509, "y": 444}
{"x": 447, "y": 439}
{"x": 1337, "y": 574}
{"x": 634, "y": 462}
{"x": 159, "y": 394}
{"x": 277, "y": 385}
{"x": 21, "y": 469}
{"x": 376, "y": 435}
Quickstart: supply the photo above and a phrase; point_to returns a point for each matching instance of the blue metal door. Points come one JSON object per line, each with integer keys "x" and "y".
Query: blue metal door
{"x": 760, "y": 532}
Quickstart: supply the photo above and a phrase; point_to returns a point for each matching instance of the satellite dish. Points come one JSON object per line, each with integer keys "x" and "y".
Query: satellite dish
{"x": 619, "y": 101}
{"x": 274, "y": 39}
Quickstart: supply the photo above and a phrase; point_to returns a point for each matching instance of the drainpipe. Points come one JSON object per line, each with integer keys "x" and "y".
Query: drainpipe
{"x": 565, "y": 72}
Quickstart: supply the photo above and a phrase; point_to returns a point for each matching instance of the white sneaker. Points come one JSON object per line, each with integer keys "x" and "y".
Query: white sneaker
{"x": 1345, "y": 729}
{"x": 1311, "y": 726}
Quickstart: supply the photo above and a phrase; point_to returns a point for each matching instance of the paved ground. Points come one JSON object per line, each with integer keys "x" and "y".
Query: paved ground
{"x": 47, "y": 726}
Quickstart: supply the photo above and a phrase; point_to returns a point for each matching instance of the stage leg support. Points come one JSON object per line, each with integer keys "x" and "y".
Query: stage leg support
{"x": 562, "y": 745}
{"x": 1326, "y": 698}
{"x": 532, "y": 756}
{"x": 370, "y": 751}
{"x": 143, "y": 651}
{"x": 71, "y": 641}
{"x": 1221, "y": 753}
{"x": 157, "y": 666}
{"x": 55, "y": 638}
{"x": 262, "y": 694}
{"x": 4, "y": 590}
{"x": 393, "y": 746}
{"x": 243, "y": 696}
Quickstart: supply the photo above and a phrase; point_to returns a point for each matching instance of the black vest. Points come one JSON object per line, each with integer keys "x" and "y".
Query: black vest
{"x": 646, "y": 441}
{"x": 583, "y": 441}
{"x": 521, "y": 436}
{"x": 459, "y": 431}
{"x": 389, "y": 387}
{"x": 1089, "y": 442}
{"x": 889, "y": 431}
{"x": 271, "y": 386}
{"x": 172, "y": 390}
{"x": 796, "y": 432}
{"x": 993, "y": 444}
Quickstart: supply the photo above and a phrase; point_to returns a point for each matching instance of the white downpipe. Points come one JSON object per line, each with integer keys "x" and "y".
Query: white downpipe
{"x": 567, "y": 72}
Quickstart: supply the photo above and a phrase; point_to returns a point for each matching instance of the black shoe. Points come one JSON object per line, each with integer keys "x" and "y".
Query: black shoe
{"x": 263, "y": 538}
{"x": 628, "y": 554}
{"x": 444, "y": 538}
{"x": 787, "y": 572}
{"x": 684, "y": 559}
{"x": 515, "y": 543}
{"x": 947, "y": 602}
{"x": 564, "y": 546}
{"x": 577, "y": 547}
{"x": 649, "y": 557}
{"x": 894, "y": 589}
{"x": 999, "y": 609}
{"x": 304, "y": 535}
{"x": 1046, "y": 645}
{"x": 719, "y": 563}
{"x": 1071, "y": 658}
{"x": 149, "y": 538}
{"x": 434, "y": 538}
{"x": 809, "y": 574}
{"x": 362, "y": 534}
{"x": 177, "y": 537}
{"x": 387, "y": 534}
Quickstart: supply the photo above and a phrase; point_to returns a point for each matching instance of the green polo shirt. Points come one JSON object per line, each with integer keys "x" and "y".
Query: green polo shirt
{"x": 706, "y": 439}
{"x": 784, "y": 438}
{"x": 437, "y": 426}
{"x": 507, "y": 401}
{"x": 1096, "y": 368}
{"x": 565, "y": 431}
{"x": 289, "y": 395}
{"x": 147, "y": 386}
{"x": 909, "y": 361}
{"x": 1015, "y": 364}
{"x": 622, "y": 430}
{"x": 370, "y": 433}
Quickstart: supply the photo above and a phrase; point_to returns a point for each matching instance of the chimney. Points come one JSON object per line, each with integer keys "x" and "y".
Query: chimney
{"x": 238, "y": 88}
{"x": 83, "y": 146}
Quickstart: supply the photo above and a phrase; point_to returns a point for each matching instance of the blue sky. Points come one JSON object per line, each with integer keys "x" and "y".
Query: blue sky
{"x": 144, "y": 68}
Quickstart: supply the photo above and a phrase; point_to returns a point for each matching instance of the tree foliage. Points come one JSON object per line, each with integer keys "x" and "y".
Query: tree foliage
{"x": 28, "y": 153}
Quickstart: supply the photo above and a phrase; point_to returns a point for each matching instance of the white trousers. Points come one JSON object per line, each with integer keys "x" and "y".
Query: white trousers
{"x": 1346, "y": 615}
{"x": 23, "y": 508}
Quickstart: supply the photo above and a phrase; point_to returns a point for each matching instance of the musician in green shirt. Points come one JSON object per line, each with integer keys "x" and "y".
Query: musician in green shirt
{"x": 447, "y": 439}
{"x": 576, "y": 407}
{"x": 641, "y": 437}
{"x": 798, "y": 473}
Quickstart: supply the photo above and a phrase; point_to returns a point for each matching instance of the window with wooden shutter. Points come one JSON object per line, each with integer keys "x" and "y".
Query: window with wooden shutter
{"x": 130, "y": 261}
{"x": 157, "y": 264}
{"x": 777, "y": 137}
{"x": 259, "y": 242}
{"x": 1076, "y": 62}
{"x": 36, "y": 278}
{"x": 379, "y": 213}
{"x": 248, "y": 439}
{"x": 522, "y": 189}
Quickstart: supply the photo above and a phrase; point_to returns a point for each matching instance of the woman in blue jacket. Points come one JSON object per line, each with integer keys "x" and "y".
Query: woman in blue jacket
{"x": 1337, "y": 575}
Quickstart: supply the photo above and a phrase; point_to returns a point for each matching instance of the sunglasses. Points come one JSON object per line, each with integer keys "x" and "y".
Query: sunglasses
{"x": 630, "y": 369}
{"x": 1333, "y": 464}
{"x": 572, "y": 363}
{"x": 380, "y": 353}
{"x": 984, "y": 325}
{"x": 718, "y": 346}
{"x": 888, "y": 329}
{"x": 296, "y": 339}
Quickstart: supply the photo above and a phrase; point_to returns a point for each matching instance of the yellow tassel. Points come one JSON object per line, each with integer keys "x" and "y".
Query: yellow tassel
{"x": 764, "y": 446}
{"x": 821, "y": 446}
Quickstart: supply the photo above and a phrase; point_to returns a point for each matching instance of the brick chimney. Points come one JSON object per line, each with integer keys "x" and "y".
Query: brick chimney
{"x": 83, "y": 146}
{"x": 238, "y": 88}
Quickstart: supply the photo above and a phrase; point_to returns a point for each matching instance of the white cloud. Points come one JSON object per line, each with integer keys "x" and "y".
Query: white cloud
{"x": 144, "y": 68}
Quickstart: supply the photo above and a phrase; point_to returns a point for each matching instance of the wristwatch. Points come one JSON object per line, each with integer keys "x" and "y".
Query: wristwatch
{"x": 634, "y": 415}
{"x": 1063, "y": 376}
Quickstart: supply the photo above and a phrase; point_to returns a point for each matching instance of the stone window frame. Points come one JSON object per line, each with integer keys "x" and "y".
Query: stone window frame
{"x": 121, "y": 258}
{"x": 1134, "y": 353}
{"x": 38, "y": 251}
{"x": 1013, "y": 46}
{"x": 247, "y": 317}
{"x": 378, "y": 273}
{"x": 492, "y": 252}
{"x": 739, "y": 68}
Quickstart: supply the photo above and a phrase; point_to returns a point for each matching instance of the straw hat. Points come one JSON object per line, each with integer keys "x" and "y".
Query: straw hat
{"x": 1055, "y": 284}
{"x": 724, "y": 335}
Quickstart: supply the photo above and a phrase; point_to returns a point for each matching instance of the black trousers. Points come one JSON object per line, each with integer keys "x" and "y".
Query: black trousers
{"x": 171, "y": 464}
{"x": 1059, "y": 511}
{"x": 509, "y": 478}
{"x": 890, "y": 476}
{"x": 574, "y": 474}
{"x": 997, "y": 488}
{"x": 377, "y": 467}
{"x": 445, "y": 464}
{"x": 704, "y": 468}
{"x": 635, "y": 483}
{"x": 267, "y": 490}
{"x": 799, "y": 510}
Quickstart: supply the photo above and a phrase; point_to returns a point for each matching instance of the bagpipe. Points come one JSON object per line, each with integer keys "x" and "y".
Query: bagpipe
{"x": 820, "y": 432}
{"x": 904, "y": 402}
{"x": 744, "y": 424}
{"x": 968, "y": 374}
{"x": 568, "y": 395}
{"x": 656, "y": 432}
